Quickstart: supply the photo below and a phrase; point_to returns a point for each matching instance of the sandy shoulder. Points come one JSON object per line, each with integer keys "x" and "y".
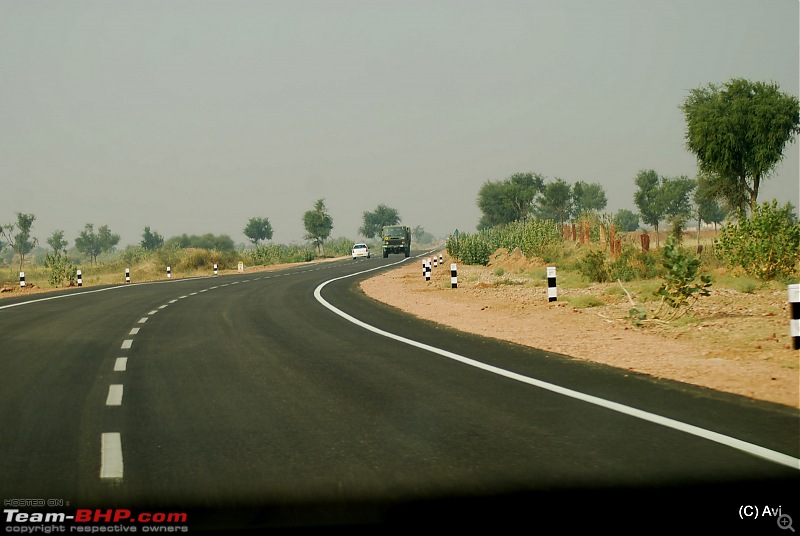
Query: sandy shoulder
{"x": 707, "y": 354}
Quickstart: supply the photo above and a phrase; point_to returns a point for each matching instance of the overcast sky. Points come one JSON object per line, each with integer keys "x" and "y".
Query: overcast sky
{"x": 192, "y": 117}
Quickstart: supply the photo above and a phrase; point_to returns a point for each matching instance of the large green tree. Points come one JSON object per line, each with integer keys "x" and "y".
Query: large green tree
{"x": 508, "y": 200}
{"x": 151, "y": 240}
{"x": 555, "y": 202}
{"x": 93, "y": 243}
{"x": 57, "y": 241}
{"x": 374, "y": 221}
{"x": 738, "y": 132}
{"x": 588, "y": 198}
{"x": 258, "y": 229}
{"x": 318, "y": 224}
{"x": 626, "y": 221}
{"x": 648, "y": 199}
{"x": 19, "y": 236}
{"x": 659, "y": 198}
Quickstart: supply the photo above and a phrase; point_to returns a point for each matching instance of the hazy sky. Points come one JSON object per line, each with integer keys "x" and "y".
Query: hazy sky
{"x": 192, "y": 117}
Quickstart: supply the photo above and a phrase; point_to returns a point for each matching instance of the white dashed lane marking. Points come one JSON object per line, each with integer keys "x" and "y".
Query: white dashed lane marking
{"x": 111, "y": 456}
{"x": 111, "y": 465}
{"x": 114, "y": 397}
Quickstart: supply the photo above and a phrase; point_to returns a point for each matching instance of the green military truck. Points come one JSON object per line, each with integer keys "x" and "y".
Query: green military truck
{"x": 396, "y": 239}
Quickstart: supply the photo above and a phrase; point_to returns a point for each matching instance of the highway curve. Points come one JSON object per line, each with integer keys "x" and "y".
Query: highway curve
{"x": 254, "y": 400}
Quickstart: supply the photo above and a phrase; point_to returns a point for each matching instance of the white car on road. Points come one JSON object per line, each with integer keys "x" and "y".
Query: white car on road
{"x": 360, "y": 250}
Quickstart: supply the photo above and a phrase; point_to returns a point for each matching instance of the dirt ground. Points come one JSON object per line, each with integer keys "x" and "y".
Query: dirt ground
{"x": 735, "y": 342}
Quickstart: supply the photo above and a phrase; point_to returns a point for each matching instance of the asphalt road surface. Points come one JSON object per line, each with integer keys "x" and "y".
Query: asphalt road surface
{"x": 290, "y": 399}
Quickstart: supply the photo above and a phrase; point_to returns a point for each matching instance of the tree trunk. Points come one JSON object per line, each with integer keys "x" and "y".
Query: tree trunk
{"x": 754, "y": 194}
{"x": 656, "y": 228}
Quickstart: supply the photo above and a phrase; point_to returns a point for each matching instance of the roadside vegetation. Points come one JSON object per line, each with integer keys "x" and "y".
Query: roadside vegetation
{"x": 738, "y": 131}
{"x": 660, "y": 284}
{"x": 95, "y": 254}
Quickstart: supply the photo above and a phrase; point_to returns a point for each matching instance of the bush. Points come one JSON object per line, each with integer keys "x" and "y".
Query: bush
{"x": 594, "y": 268}
{"x": 535, "y": 238}
{"x": 679, "y": 289}
{"x": 61, "y": 271}
{"x": 195, "y": 258}
{"x": 634, "y": 263}
{"x": 629, "y": 265}
{"x": 133, "y": 255}
{"x": 767, "y": 245}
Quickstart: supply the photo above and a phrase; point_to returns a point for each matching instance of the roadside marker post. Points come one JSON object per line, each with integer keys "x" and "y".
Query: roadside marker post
{"x": 453, "y": 276}
{"x": 80, "y": 278}
{"x": 441, "y": 260}
{"x": 435, "y": 262}
{"x": 552, "y": 291}
{"x": 169, "y": 272}
{"x": 22, "y": 280}
{"x": 794, "y": 309}
{"x": 428, "y": 270}
{"x": 127, "y": 275}
{"x": 215, "y": 270}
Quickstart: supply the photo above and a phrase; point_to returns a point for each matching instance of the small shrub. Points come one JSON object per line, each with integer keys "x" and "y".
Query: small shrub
{"x": 767, "y": 245}
{"x": 61, "y": 271}
{"x": 594, "y": 268}
{"x": 679, "y": 289}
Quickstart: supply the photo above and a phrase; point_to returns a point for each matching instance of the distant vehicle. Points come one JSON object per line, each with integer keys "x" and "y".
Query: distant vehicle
{"x": 360, "y": 250}
{"x": 396, "y": 239}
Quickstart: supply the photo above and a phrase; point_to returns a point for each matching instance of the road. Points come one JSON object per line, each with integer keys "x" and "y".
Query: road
{"x": 288, "y": 398}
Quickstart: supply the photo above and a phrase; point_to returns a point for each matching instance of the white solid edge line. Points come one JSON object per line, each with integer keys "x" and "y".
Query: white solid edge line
{"x": 744, "y": 446}
{"x": 111, "y": 466}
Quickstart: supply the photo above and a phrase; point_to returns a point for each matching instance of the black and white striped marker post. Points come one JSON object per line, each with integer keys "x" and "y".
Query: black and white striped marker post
{"x": 169, "y": 272}
{"x": 441, "y": 260}
{"x": 428, "y": 270}
{"x": 794, "y": 309}
{"x": 424, "y": 268}
{"x": 435, "y": 262}
{"x": 453, "y": 276}
{"x": 215, "y": 270}
{"x": 552, "y": 292}
{"x": 127, "y": 275}
{"x": 80, "y": 278}
{"x": 22, "y": 280}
